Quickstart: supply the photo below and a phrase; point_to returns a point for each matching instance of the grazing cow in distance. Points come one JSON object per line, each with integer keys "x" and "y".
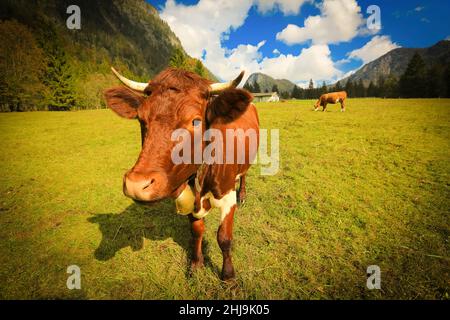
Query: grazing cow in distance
{"x": 180, "y": 100}
{"x": 333, "y": 98}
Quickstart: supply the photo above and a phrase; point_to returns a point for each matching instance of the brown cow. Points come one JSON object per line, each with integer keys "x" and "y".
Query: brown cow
{"x": 333, "y": 98}
{"x": 177, "y": 99}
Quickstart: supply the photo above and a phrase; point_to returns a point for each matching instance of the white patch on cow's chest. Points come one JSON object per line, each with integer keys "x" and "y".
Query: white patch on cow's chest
{"x": 203, "y": 212}
{"x": 185, "y": 201}
{"x": 338, "y": 100}
{"x": 225, "y": 204}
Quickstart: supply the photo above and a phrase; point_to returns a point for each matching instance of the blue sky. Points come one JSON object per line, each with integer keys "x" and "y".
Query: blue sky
{"x": 325, "y": 40}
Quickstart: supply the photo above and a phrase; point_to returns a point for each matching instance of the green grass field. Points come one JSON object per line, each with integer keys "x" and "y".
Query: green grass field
{"x": 367, "y": 187}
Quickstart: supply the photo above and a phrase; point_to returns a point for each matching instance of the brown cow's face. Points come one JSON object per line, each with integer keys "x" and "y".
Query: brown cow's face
{"x": 166, "y": 109}
{"x": 317, "y": 104}
{"x": 155, "y": 176}
{"x": 176, "y": 99}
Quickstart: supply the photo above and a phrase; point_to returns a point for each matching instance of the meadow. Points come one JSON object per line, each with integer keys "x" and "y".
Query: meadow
{"x": 367, "y": 187}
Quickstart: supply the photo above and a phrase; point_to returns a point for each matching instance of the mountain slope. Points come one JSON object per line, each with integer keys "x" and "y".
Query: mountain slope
{"x": 130, "y": 31}
{"x": 266, "y": 83}
{"x": 395, "y": 62}
{"x": 127, "y": 34}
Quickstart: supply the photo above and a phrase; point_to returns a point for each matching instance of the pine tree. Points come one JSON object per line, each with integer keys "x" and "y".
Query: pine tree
{"x": 256, "y": 88}
{"x": 381, "y": 90}
{"x": 360, "y": 90}
{"x": 178, "y": 59}
{"x": 296, "y": 93}
{"x": 349, "y": 87}
{"x": 323, "y": 89}
{"x": 372, "y": 90}
{"x": 59, "y": 80}
{"x": 199, "y": 69}
{"x": 412, "y": 82}
{"x": 446, "y": 81}
{"x": 435, "y": 87}
{"x": 284, "y": 95}
{"x": 391, "y": 87}
{"x": 59, "y": 75}
{"x": 338, "y": 87}
{"x": 311, "y": 84}
{"x": 248, "y": 87}
{"x": 275, "y": 88}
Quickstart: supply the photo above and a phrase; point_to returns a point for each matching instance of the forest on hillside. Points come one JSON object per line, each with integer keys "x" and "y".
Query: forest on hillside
{"x": 46, "y": 66}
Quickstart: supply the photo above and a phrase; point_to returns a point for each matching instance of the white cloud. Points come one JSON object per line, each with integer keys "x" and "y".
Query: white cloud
{"x": 339, "y": 21}
{"x": 202, "y": 27}
{"x": 342, "y": 62}
{"x": 419, "y": 8}
{"x": 448, "y": 38}
{"x": 243, "y": 57}
{"x": 375, "y": 48}
{"x": 312, "y": 63}
{"x": 288, "y": 7}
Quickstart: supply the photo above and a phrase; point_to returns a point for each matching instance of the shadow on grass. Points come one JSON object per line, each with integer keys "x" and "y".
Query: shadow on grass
{"x": 138, "y": 221}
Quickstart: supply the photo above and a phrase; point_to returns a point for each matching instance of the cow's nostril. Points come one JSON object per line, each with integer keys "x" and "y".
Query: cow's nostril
{"x": 148, "y": 184}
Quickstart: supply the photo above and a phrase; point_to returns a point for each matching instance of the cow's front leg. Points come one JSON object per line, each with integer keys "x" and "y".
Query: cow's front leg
{"x": 324, "y": 107}
{"x": 242, "y": 193}
{"x": 197, "y": 228}
{"x": 224, "y": 238}
{"x": 342, "y": 106}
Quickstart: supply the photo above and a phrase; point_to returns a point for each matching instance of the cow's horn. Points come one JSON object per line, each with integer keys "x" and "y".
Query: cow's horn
{"x": 218, "y": 87}
{"x": 138, "y": 86}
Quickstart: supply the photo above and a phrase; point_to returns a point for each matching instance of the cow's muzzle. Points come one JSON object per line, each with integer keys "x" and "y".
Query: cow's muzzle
{"x": 144, "y": 187}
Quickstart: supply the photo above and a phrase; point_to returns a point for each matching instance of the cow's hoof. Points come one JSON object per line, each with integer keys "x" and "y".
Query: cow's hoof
{"x": 228, "y": 274}
{"x": 195, "y": 265}
{"x": 228, "y": 277}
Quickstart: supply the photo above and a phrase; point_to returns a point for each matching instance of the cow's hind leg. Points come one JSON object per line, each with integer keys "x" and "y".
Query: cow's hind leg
{"x": 197, "y": 228}
{"x": 224, "y": 238}
{"x": 242, "y": 193}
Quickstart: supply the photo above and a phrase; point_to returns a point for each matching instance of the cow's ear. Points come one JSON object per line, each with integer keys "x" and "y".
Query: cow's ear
{"x": 123, "y": 101}
{"x": 228, "y": 106}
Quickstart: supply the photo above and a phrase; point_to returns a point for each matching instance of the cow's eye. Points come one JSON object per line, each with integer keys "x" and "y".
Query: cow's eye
{"x": 196, "y": 122}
